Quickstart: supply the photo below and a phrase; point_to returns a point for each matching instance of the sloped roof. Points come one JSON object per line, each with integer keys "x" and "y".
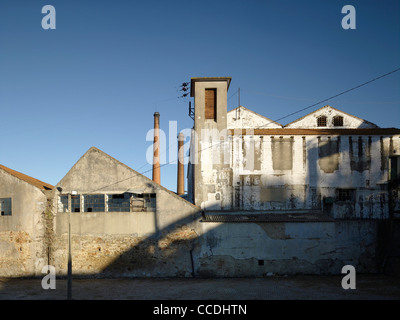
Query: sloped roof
{"x": 257, "y": 115}
{"x": 372, "y": 125}
{"x": 32, "y": 181}
{"x": 134, "y": 174}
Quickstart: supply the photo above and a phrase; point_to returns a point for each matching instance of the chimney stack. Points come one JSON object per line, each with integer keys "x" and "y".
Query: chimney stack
{"x": 181, "y": 178}
{"x": 156, "y": 149}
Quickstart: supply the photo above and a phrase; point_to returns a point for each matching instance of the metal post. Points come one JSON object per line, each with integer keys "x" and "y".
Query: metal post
{"x": 69, "y": 276}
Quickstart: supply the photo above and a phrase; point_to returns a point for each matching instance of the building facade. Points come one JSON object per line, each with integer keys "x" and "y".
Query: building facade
{"x": 308, "y": 197}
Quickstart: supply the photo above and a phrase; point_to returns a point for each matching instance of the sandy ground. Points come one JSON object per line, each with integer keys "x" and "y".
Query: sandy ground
{"x": 368, "y": 287}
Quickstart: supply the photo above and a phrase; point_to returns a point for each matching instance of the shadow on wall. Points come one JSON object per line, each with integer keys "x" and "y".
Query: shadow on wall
{"x": 167, "y": 253}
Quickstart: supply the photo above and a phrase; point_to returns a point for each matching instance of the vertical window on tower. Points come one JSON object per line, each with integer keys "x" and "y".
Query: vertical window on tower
{"x": 211, "y": 104}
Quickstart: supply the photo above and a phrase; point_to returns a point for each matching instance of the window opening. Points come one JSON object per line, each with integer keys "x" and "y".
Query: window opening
{"x": 5, "y": 206}
{"x": 338, "y": 121}
{"x": 211, "y": 104}
{"x": 143, "y": 202}
{"x": 76, "y": 203}
{"x": 63, "y": 203}
{"x": 346, "y": 195}
{"x": 321, "y": 121}
{"x": 94, "y": 203}
{"x": 119, "y": 202}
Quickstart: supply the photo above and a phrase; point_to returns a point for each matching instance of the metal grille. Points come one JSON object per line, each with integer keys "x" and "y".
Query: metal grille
{"x": 321, "y": 121}
{"x": 345, "y": 195}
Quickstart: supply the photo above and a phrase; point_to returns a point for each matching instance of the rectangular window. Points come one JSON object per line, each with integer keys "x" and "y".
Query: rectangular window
{"x": 5, "y": 206}
{"x": 346, "y": 195}
{"x": 328, "y": 155}
{"x": 143, "y": 202}
{"x": 338, "y": 121}
{"x": 394, "y": 168}
{"x": 321, "y": 121}
{"x": 63, "y": 203}
{"x": 76, "y": 203}
{"x": 211, "y": 104}
{"x": 119, "y": 202}
{"x": 282, "y": 157}
{"x": 94, "y": 203}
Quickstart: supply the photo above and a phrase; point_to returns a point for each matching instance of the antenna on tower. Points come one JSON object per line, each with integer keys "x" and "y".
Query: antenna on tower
{"x": 185, "y": 87}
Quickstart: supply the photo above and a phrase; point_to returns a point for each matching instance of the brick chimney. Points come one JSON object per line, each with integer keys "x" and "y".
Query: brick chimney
{"x": 156, "y": 149}
{"x": 181, "y": 177}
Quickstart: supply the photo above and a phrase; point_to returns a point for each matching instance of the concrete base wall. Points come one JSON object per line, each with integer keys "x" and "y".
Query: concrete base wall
{"x": 250, "y": 249}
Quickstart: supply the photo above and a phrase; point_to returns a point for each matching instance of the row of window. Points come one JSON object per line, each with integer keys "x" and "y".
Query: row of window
{"x": 125, "y": 202}
{"x": 337, "y": 121}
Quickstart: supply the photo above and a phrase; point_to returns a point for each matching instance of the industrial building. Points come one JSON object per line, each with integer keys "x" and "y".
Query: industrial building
{"x": 262, "y": 198}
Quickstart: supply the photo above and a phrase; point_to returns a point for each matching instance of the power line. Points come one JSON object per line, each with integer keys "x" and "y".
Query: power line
{"x": 308, "y": 107}
{"x": 338, "y": 94}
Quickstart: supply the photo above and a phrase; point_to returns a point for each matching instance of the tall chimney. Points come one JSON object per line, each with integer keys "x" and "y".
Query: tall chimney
{"x": 181, "y": 178}
{"x": 156, "y": 149}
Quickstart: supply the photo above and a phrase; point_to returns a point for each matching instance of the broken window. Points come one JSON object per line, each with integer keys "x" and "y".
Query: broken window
{"x": 76, "y": 203}
{"x": 143, "y": 202}
{"x": 63, "y": 203}
{"x": 211, "y": 104}
{"x": 94, "y": 203}
{"x": 338, "y": 121}
{"x": 321, "y": 121}
{"x": 119, "y": 202}
{"x": 5, "y": 206}
{"x": 346, "y": 195}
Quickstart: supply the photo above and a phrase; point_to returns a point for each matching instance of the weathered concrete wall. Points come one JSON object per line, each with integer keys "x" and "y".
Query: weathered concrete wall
{"x": 241, "y": 117}
{"x": 22, "y": 249}
{"x": 349, "y": 121}
{"x": 250, "y": 249}
{"x": 299, "y": 172}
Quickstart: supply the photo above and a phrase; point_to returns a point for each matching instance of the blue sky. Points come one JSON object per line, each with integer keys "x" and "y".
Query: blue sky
{"x": 97, "y": 79}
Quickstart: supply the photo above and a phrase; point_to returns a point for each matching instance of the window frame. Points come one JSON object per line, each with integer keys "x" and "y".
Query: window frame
{"x": 3, "y": 212}
{"x": 324, "y": 119}
{"x": 342, "y": 197}
{"x": 338, "y": 118}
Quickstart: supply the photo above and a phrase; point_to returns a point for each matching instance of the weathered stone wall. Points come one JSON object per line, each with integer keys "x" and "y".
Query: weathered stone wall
{"x": 22, "y": 250}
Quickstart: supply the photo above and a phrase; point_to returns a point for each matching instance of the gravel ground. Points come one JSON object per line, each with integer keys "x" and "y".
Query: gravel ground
{"x": 368, "y": 287}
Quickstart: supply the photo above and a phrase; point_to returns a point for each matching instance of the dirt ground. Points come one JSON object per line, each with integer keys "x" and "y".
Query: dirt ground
{"x": 368, "y": 287}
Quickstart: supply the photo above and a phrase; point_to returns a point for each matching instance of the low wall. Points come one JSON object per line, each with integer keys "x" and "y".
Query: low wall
{"x": 260, "y": 249}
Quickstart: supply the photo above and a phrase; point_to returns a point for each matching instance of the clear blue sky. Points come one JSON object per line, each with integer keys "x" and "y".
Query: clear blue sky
{"x": 97, "y": 79}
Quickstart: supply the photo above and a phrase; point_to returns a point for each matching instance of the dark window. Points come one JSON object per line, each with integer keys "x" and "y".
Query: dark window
{"x": 94, "y": 203}
{"x": 119, "y": 202}
{"x": 211, "y": 104}
{"x": 394, "y": 168}
{"x": 338, "y": 121}
{"x": 321, "y": 121}
{"x": 5, "y": 206}
{"x": 346, "y": 195}
{"x": 76, "y": 203}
